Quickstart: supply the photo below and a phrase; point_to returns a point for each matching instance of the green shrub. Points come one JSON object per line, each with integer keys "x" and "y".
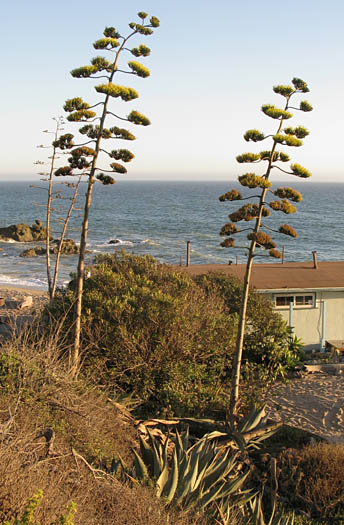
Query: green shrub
{"x": 268, "y": 341}
{"x": 153, "y": 333}
{"x": 168, "y": 338}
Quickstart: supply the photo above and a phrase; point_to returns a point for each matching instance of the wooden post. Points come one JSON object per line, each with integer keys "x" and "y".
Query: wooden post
{"x": 236, "y": 259}
{"x": 315, "y": 262}
{"x": 188, "y": 253}
{"x": 180, "y": 261}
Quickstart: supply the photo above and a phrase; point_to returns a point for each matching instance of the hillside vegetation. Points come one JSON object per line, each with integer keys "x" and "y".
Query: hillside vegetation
{"x": 159, "y": 343}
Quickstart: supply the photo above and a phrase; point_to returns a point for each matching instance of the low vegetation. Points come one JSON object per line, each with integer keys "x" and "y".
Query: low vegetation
{"x": 168, "y": 339}
{"x": 73, "y": 452}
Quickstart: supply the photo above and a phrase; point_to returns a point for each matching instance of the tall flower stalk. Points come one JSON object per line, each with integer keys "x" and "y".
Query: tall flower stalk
{"x": 259, "y": 210}
{"x": 84, "y": 157}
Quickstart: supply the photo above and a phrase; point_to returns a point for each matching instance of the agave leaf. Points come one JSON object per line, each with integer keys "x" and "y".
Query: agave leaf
{"x": 234, "y": 484}
{"x": 172, "y": 483}
{"x": 179, "y": 446}
{"x": 185, "y": 439}
{"x": 215, "y": 435}
{"x": 140, "y": 467}
{"x": 220, "y": 470}
{"x": 183, "y": 482}
{"x": 146, "y": 453}
{"x": 162, "y": 480}
{"x": 157, "y": 456}
{"x": 211, "y": 495}
{"x": 252, "y": 420}
{"x": 240, "y": 441}
{"x": 240, "y": 500}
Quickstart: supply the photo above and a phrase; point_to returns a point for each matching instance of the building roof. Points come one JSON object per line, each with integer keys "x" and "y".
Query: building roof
{"x": 278, "y": 276}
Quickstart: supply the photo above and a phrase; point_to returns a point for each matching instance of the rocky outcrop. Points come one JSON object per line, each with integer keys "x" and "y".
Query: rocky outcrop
{"x": 24, "y": 233}
{"x": 68, "y": 248}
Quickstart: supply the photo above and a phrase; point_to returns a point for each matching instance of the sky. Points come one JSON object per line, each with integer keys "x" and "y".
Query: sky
{"x": 213, "y": 65}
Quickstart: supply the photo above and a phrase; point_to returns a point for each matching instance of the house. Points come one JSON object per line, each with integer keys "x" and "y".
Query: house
{"x": 308, "y": 295}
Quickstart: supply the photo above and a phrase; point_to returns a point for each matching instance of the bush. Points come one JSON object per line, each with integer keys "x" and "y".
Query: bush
{"x": 153, "y": 333}
{"x": 312, "y": 480}
{"x": 268, "y": 340}
{"x": 168, "y": 338}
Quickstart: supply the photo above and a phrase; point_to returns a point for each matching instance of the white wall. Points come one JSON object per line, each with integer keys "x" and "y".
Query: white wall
{"x": 308, "y": 321}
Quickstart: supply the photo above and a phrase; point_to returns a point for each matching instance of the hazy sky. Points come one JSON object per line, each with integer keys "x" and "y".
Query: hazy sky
{"x": 213, "y": 65}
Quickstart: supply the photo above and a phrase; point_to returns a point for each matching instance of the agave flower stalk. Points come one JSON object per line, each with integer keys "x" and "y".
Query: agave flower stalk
{"x": 87, "y": 158}
{"x": 286, "y": 136}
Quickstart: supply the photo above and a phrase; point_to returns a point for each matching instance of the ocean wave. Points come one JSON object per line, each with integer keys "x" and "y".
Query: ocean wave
{"x": 22, "y": 282}
{"x": 120, "y": 242}
{"x": 11, "y": 241}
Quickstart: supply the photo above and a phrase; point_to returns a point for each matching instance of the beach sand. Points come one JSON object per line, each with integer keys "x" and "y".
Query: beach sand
{"x": 12, "y": 316}
{"x": 314, "y": 403}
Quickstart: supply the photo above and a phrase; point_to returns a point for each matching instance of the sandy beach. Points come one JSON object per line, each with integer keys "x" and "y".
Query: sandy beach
{"x": 314, "y": 403}
{"x": 13, "y": 313}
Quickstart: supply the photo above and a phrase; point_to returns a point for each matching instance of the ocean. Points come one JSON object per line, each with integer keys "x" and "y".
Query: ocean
{"x": 158, "y": 218}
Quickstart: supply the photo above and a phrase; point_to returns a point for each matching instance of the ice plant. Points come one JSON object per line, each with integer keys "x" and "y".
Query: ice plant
{"x": 85, "y": 157}
{"x": 261, "y": 208}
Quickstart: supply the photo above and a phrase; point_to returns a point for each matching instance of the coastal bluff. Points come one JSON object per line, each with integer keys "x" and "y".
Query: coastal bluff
{"x": 23, "y": 232}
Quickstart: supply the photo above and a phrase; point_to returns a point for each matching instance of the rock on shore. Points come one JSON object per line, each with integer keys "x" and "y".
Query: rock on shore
{"x": 69, "y": 247}
{"x": 24, "y": 233}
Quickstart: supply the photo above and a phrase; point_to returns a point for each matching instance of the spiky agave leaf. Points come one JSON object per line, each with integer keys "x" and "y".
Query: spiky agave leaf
{"x": 252, "y": 420}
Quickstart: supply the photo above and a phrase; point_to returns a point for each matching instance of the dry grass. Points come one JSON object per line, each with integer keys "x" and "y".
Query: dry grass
{"x": 38, "y": 398}
{"x": 312, "y": 479}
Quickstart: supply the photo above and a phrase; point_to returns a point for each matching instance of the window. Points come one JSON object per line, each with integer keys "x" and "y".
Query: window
{"x": 297, "y": 300}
